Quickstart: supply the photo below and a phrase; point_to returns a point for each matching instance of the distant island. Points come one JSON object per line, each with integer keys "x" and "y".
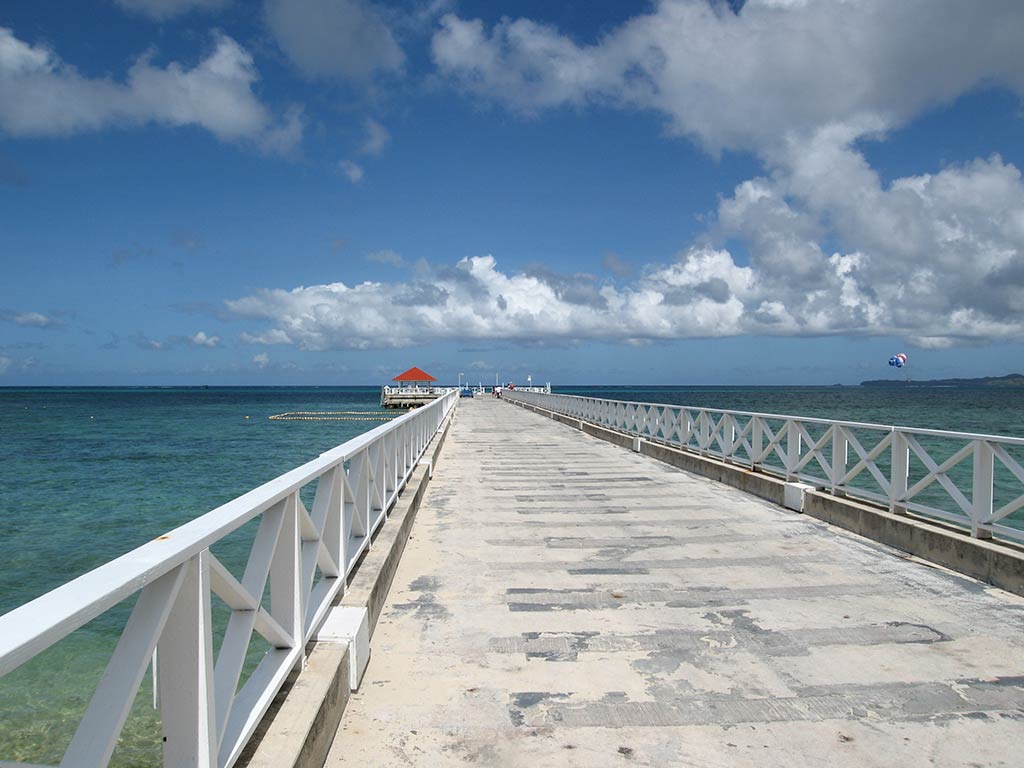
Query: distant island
{"x": 1011, "y": 380}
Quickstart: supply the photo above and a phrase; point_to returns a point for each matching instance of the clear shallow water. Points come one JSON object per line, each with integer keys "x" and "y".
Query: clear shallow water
{"x": 88, "y": 474}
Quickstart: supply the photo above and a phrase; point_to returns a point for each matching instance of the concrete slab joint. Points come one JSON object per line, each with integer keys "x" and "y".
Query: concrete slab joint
{"x": 351, "y": 626}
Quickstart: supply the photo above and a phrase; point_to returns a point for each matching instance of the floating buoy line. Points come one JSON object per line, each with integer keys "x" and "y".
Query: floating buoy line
{"x": 333, "y": 416}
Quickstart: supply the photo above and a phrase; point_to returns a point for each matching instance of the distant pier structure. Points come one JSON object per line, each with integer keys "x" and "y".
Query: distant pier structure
{"x": 413, "y": 389}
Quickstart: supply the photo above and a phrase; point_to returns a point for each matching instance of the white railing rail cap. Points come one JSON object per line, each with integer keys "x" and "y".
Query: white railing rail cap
{"x": 1006, "y": 439}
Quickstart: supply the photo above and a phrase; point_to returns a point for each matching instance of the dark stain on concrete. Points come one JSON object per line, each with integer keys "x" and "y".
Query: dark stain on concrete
{"x": 663, "y": 564}
{"x": 928, "y": 634}
{"x": 611, "y": 548}
{"x": 425, "y": 606}
{"x": 528, "y": 698}
{"x": 1012, "y": 681}
{"x": 533, "y": 607}
{"x": 615, "y": 696}
{"x": 658, "y": 663}
{"x": 893, "y": 702}
{"x": 567, "y": 646}
{"x": 563, "y": 497}
{"x": 594, "y": 511}
{"x": 707, "y": 601}
{"x": 519, "y": 702}
{"x": 424, "y": 584}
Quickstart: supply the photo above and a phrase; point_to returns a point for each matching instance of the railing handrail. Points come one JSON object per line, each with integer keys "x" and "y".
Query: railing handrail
{"x": 802, "y": 419}
{"x": 419, "y": 387}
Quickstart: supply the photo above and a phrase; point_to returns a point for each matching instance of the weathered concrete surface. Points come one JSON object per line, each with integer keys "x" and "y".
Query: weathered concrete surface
{"x": 998, "y": 563}
{"x": 563, "y": 601}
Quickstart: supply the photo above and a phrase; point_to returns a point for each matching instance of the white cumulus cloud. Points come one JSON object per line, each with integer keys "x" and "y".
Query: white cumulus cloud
{"x": 160, "y": 10}
{"x": 41, "y": 95}
{"x": 30, "y": 319}
{"x": 937, "y": 256}
{"x": 476, "y": 300}
{"x": 745, "y": 80}
{"x": 377, "y": 137}
{"x": 342, "y": 39}
{"x": 200, "y": 339}
{"x": 353, "y": 171}
{"x": 792, "y": 287}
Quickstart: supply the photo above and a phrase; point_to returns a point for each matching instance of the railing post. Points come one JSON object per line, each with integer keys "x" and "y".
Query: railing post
{"x": 840, "y": 454}
{"x": 900, "y": 464}
{"x": 793, "y": 445}
{"x": 729, "y": 435}
{"x": 705, "y": 432}
{"x": 185, "y": 661}
{"x": 334, "y": 524}
{"x": 982, "y": 489}
{"x": 756, "y": 442}
{"x": 670, "y": 427}
{"x": 286, "y": 603}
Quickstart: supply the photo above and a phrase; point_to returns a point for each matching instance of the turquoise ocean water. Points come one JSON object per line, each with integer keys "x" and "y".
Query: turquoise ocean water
{"x": 88, "y": 474}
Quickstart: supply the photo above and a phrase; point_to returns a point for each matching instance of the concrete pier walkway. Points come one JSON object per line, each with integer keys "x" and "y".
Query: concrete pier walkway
{"x": 564, "y": 601}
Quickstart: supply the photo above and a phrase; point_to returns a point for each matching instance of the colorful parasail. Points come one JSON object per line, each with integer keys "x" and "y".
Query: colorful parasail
{"x": 898, "y": 360}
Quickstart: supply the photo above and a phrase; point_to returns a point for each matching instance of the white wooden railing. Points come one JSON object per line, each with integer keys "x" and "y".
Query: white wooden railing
{"x": 971, "y": 480}
{"x": 205, "y": 721}
{"x": 387, "y": 389}
{"x": 541, "y": 389}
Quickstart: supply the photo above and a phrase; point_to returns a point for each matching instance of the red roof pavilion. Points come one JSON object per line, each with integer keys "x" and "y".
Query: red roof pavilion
{"x": 414, "y": 374}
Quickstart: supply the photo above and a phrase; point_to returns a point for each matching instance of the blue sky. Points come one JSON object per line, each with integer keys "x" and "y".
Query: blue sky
{"x": 676, "y": 192}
